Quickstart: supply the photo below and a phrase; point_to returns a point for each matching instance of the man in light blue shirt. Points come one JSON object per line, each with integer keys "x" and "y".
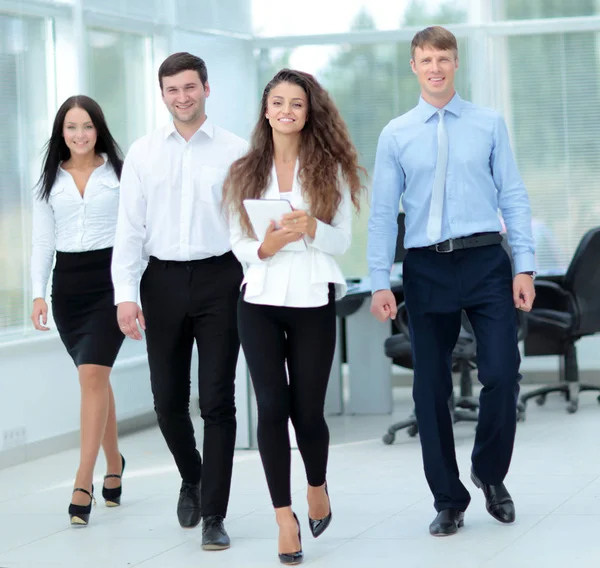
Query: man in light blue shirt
{"x": 451, "y": 164}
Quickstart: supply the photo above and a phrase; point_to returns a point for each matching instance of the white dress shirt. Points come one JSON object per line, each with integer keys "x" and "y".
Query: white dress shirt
{"x": 295, "y": 279}
{"x": 170, "y": 208}
{"x": 68, "y": 222}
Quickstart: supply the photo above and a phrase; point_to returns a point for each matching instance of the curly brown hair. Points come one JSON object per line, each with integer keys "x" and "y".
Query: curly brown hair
{"x": 325, "y": 149}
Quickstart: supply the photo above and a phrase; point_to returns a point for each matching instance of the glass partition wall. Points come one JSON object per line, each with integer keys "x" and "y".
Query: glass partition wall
{"x": 536, "y": 61}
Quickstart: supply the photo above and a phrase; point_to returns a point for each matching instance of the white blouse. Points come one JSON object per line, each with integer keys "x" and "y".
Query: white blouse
{"x": 295, "y": 279}
{"x": 68, "y": 222}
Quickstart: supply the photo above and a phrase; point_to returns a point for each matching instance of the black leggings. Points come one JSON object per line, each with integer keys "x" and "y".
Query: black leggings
{"x": 304, "y": 338}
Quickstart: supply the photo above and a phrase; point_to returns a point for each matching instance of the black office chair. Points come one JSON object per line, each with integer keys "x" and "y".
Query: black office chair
{"x": 563, "y": 313}
{"x": 463, "y": 408}
{"x": 464, "y": 360}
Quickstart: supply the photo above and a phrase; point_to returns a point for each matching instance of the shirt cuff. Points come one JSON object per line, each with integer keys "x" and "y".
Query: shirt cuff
{"x": 38, "y": 291}
{"x": 524, "y": 262}
{"x": 318, "y": 231}
{"x": 257, "y": 246}
{"x": 126, "y": 294}
{"x": 380, "y": 280}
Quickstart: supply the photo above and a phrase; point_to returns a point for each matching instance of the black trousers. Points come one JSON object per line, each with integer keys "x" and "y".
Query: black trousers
{"x": 183, "y": 302}
{"x": 437, "y": 286}
{"x": 304, "y": 339}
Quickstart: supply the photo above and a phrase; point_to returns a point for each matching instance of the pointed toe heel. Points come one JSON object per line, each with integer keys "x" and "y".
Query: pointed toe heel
{"x": 318, "y": 526}
{"x": 293, "y": 558}
{"x": 80, "y": 514}
{"x": 112, "y": 497}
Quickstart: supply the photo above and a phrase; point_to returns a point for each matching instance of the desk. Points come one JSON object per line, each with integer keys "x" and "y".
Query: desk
{"x": 361, "y": 337}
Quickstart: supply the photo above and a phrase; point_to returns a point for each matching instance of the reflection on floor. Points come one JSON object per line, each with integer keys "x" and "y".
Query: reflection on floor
{"x": 381, "y": 504}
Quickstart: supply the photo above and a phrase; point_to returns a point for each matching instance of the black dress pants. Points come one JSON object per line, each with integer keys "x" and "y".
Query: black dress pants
{"x": 436, "y": 287}
{"x": 303, "y": 340}
{"x": 183, "y": 302}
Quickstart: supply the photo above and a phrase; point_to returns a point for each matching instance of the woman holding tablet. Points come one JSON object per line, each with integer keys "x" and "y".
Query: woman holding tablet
{"x": 75, "y": 215}
{"x": 300, "y": 152}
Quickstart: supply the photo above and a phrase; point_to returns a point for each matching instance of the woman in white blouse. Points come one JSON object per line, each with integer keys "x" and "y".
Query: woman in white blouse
{"x": 300, "y": 151}
{"x": 75, "y": 214}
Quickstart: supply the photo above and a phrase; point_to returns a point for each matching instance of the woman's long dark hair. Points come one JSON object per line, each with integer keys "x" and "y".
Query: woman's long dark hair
{"x": 56, "y": 151}
{"x": 326, "y": 150}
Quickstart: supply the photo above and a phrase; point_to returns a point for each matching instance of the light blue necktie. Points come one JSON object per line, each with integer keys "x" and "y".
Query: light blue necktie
{"x": 434, "y": 224}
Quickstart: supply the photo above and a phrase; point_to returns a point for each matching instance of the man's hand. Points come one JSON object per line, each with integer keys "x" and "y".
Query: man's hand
{"x": 127, "y": 314}
{"x": 383, "y": 305}
{"x": 40, "y": 310}
{"x": 276, "y": 239}
{"x": 523, "y": 292}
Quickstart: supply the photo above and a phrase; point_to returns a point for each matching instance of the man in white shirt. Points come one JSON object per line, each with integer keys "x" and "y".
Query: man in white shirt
{"x": 170, "y": 212}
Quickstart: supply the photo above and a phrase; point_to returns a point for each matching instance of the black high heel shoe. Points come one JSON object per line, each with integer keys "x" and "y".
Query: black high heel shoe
{"x": 291, "y": 558}
{"x": 317, "y": 527}
{"x": 112, "y": 497}
{"x": 80, "y": 514}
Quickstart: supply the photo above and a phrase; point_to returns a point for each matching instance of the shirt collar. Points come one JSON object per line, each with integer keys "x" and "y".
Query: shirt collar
{"x": 207, "y": 127}
{"x": 427, "y": 111}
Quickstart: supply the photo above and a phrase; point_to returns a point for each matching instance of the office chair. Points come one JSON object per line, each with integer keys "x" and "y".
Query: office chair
{"x": 463, "y": 408}
{"x": 464, "y": 360}
{"x": 563, "y": 313}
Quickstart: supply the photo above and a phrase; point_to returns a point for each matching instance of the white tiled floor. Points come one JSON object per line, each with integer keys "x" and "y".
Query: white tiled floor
{"x": 381, "y": 505}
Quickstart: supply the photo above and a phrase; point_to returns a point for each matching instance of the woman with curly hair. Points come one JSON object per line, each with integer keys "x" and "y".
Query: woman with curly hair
{"x": 300, "y": 151}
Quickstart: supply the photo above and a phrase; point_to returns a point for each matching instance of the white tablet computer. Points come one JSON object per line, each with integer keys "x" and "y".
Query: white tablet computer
{"x": 262, "y": 211}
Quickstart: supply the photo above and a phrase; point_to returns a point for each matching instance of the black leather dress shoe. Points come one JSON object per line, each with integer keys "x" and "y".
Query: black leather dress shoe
{"x": 498, "y": 501}
{"x": 447, "y": 522}
{"x": 188, "y": 507}
{"x": 214, "y": 535}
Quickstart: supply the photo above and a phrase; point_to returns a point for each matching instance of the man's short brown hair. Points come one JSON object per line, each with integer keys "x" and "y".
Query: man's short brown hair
{"x": 436, "y": 37}
{"x": 182, "y": 61}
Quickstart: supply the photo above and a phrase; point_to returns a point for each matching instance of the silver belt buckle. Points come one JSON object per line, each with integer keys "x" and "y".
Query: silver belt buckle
{"x": 437, "y": 247}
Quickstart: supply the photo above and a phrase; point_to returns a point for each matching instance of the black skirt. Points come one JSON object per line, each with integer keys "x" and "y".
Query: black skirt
{"x": 83, "y": 307}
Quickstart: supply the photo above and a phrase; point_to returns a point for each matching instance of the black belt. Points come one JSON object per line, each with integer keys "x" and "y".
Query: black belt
{"x": 477, "y": 240}
{"x": 227, "y": 257}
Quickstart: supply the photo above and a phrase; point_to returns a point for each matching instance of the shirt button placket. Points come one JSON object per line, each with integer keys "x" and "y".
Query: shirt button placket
{"x": 81, "y": 225}
{"x": 186, "y": 203}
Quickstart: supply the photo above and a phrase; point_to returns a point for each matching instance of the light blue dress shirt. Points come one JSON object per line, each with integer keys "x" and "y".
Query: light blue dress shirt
{"x": 482, "y": 178}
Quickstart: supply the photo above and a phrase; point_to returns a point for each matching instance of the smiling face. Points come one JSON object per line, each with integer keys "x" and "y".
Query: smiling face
{"x": 79, "y": 132}
{"x": 185, "y": 97}
{"x": 287, "y": 108}
{"x": 435, "y": 70}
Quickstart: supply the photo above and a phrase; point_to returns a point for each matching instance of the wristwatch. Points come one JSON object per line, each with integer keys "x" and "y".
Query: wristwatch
{"x": 529, "y": 273}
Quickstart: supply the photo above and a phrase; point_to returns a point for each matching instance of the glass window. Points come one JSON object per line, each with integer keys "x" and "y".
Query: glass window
{"x": 341, "y": 16}
{"x": 23, "y": 107}
{"x": 371, "y": 84}
{"x": 541, "y": 9}
{"x": 550, "y": 96}
{"x": 117, "y": 79}
{"x": 224, "y": 15}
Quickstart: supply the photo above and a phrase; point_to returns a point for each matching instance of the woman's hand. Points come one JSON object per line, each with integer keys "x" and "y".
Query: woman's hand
{"x": 40, "y": 309}
{"x": 299, "y": 221}
{"x": 275, "y": 239}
